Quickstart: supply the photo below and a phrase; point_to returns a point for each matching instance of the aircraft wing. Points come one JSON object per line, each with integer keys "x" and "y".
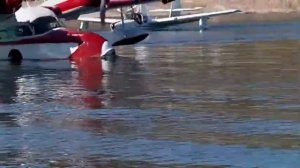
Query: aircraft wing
{"x": 94, "y": 17}
{"x": 98, "y": 20}
{"x": 192, "y": 17}
{"x": 71, "y": 9}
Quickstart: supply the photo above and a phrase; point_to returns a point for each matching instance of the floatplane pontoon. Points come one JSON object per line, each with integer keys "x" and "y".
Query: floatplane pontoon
{"x": 139, "y": 17}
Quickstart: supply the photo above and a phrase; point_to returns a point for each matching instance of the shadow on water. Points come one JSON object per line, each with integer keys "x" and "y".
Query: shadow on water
{"x": 221, "y": 103}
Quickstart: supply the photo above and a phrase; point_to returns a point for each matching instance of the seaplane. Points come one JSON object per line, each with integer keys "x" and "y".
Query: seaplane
{"x": 37, "y": 33}
{"x": 138, "y": 17}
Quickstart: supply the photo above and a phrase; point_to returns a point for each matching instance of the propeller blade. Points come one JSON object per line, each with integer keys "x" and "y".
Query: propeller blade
{"x": 102, "y": 11}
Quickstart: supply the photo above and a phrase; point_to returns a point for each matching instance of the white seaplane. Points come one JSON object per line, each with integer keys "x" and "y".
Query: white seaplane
{"x": 139, "y": 17}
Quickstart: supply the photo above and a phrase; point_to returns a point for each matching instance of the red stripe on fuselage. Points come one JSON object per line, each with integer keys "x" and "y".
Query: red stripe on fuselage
{"x": 54, "y": 36}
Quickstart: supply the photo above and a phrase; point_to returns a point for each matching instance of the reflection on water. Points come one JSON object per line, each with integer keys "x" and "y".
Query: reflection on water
{"x": 209, "y": 105}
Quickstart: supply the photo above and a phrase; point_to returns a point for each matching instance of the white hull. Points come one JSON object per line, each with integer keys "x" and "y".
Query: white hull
{"x": 47, "y": 51}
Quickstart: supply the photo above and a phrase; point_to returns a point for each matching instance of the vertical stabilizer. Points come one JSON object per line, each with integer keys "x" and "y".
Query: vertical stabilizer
{"x": 175, "y": 5}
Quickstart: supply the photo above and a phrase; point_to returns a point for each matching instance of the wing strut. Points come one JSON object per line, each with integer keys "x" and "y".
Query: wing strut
{"x": 122, "y": 17}
{"x": 102, "y": 11}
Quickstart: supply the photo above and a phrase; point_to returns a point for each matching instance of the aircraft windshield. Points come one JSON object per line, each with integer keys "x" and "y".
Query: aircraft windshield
{"x": 5, "y": 34}
{"x": 11, "y": 32}
{"x": 23, "y": 30}
{"x": 45, "y": 24}
{"x": 39, "y": 26}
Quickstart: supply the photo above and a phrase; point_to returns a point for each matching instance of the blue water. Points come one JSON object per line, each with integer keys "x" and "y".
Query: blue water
{"x": 227, "y": 97}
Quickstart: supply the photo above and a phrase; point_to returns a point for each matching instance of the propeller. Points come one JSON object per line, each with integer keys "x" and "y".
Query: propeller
{"x": 102, "y": 11}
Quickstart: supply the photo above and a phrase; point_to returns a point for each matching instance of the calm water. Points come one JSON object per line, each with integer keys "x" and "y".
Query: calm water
{"x": 228, "y": 97}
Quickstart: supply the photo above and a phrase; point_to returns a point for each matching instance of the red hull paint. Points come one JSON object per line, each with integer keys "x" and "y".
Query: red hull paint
{"x": 90, "y": 47}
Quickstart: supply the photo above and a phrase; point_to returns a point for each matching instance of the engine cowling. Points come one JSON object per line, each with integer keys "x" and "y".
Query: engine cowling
{"x": 9, "y": 6}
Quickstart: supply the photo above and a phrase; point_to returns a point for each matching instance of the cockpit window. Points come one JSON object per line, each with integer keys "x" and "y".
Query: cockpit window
{"x": 3, "y": 34}
{"x": 45, "y": 24}
{"x": 23, "y": 30}
{"x": 12, "y": 32}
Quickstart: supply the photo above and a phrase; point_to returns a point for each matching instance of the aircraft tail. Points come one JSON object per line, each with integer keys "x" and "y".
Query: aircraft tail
{"x": 175, "y": 5}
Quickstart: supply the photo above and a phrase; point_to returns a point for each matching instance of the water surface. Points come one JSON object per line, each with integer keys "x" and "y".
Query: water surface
{"x": 228, "y": 97}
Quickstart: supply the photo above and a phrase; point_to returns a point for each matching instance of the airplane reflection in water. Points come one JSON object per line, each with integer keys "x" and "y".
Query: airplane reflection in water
{"x": 72, "y": 92}
{"x": 29, "y": 82}
{"x": 34, "y": 88}
{"x": 81, "y": 84}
